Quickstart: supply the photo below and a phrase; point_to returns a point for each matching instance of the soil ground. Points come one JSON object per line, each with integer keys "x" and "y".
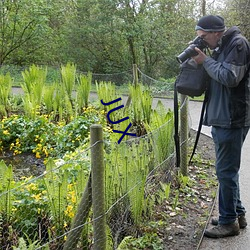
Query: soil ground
{"x": 187, "y": 223}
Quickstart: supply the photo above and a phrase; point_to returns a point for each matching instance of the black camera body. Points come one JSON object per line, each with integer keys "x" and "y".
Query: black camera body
{"x": 190, "y": 51}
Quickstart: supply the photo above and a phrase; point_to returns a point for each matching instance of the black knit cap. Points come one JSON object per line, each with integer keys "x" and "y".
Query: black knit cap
{"x": 210, "y": 23}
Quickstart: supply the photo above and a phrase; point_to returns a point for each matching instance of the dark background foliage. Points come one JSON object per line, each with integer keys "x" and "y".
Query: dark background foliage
{"x": 107, "y": 36}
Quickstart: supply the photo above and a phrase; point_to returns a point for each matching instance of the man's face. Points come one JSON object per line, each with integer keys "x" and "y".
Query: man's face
{"x": 211, "y": 38}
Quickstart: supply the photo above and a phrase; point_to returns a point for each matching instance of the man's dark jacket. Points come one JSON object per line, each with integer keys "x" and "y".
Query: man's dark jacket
{"x": 228, "y": 103}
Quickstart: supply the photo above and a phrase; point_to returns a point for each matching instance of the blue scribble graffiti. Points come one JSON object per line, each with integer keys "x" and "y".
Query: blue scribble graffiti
{"x": 121, "y": 120}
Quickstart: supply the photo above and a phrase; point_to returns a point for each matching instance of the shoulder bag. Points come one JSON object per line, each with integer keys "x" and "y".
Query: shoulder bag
{"x": 192, "y": 79}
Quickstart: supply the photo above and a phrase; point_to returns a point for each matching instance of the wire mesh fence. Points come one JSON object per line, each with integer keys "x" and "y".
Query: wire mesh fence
{"x": 55, "y": 210}
{"x": 158, "y": 87}
{"x": 42, "y": 209}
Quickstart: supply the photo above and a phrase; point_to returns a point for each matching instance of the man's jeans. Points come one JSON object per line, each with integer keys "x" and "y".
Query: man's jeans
{"x": 228, "y": 145}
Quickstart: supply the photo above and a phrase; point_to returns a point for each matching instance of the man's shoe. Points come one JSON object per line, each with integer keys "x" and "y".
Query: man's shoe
{"x": 241, "y": 219}
{"x": 221, "y": 231}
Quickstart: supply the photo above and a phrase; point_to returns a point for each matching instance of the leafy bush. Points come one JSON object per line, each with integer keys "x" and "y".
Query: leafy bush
{"x": 44, "y": 138}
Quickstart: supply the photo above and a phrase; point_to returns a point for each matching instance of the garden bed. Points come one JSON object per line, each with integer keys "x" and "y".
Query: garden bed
{"x": 178, "y": 222}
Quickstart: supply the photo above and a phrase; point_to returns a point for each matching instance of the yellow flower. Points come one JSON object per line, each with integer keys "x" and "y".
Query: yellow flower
{"x": 26, "y": 178}
{"x": 14, "y": 209}
{"x": 103, "y": 112}
{"x": 16, "y": 152}
{"x": 38, "y": 156}
{"x": 45, "y": 151}
{"x": 37, "y": 196}
{"x": 6, "y": 132}
{"x": 73, "y": 199}
{"x": 31, "y": 187}
{"x": 69, "y": 211}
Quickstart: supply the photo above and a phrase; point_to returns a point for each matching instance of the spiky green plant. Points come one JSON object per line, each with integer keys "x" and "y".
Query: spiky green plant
{"x": 141, "y": 103}
{"x": 48, "y": 98}
{"x": 83, "y": 90}
{"x": 164, "y": 192}
{"x": 161, "y": 128}
{"x": 6, "y": 184}
{"x": 62, "y": 106}
{"x": 56, "y": 185}
{"x": 5, "y": 90}
{"x": 136, "y": 183}
{"x": 30, "y": 108}
{"x": 106, "y": 92}
{"x": 29, "y": 245}
{"x": 68, "y": 74}
{"x": 33, "y": 85}
{"x": 126, "y": 172}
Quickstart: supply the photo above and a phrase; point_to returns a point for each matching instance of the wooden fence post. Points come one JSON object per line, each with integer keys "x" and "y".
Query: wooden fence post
{"x": 135, "y": 82}
{"x": 98, "y": 195}
{"x": 80, "y": 218}
{"x": 184, "y": 135}
{"x": 135, "y": 74}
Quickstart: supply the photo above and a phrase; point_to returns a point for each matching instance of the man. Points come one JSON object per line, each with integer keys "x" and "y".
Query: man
{"x": 228, "y": 112}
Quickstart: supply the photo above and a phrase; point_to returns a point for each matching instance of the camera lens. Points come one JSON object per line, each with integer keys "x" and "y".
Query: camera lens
{"x": 190, "y": 51}
{"x": 187, "y": 53}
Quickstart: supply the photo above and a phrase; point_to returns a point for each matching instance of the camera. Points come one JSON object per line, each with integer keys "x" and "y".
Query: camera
{"x": 190, "y": 51}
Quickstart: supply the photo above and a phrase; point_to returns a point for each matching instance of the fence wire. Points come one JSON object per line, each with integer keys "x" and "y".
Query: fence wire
{"x": 158, "y": 87}
{"x": 43, "y": 210}
{"x": 48, "y": 203}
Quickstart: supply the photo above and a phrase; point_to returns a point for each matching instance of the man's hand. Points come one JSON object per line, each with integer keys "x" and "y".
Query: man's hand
{"x": 200, "y": 58}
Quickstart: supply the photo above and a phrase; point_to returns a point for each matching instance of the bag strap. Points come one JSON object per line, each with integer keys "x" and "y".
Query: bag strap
{"x": 176, "y": 126}
{"x": 199, "y": 127}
